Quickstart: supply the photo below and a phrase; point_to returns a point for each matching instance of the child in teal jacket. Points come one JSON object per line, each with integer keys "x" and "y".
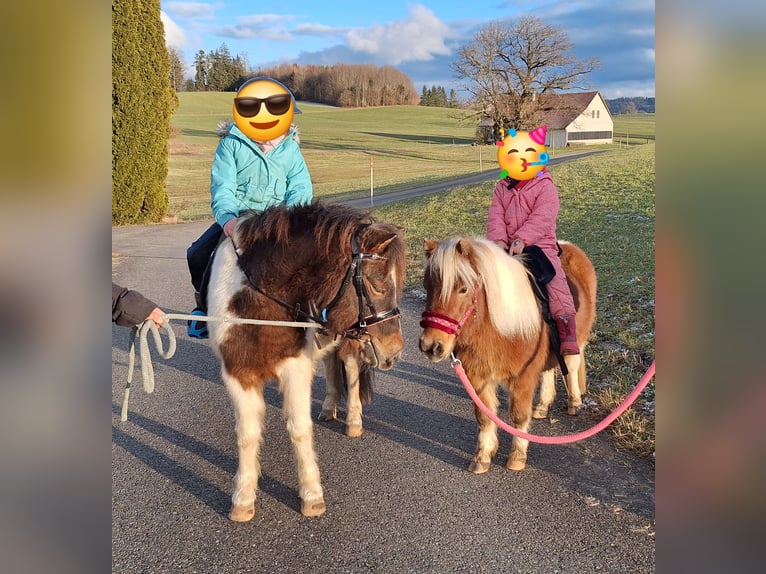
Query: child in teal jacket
{"x": 257, "y": 165}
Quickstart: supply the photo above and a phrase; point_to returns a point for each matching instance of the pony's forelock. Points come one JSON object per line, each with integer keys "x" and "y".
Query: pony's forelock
{"x": 451, "y": 267}
{"x": 510, "y": 300}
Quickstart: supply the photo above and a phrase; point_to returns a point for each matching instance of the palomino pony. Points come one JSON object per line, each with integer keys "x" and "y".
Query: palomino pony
{"x": 480, "y": 305}
{"x": 329, "y": 264}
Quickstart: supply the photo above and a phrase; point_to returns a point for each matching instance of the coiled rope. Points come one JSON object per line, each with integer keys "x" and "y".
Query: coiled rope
{"x": 458, "y": 366}
{"x": 141, "y": 332}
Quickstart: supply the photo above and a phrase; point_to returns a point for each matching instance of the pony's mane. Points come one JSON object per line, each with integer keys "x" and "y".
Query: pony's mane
{"x": 331, "y": 225}
{"x": 511, "y": 302}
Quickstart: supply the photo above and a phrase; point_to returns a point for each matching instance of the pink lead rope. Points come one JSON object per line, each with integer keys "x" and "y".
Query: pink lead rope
{"x": 458, "y": 366}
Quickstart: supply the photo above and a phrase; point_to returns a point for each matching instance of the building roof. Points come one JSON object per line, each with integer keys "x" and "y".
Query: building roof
{"x": 560, "y": 110}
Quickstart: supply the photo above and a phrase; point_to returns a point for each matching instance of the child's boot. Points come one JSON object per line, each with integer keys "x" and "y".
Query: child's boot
{"x": 567, "y": 335}
{"x": 197, "y": 329}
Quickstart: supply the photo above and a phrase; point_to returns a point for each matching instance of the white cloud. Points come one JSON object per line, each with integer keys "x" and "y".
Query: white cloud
{"x": 267, "y": 26}
{"x": 174, "y": 35}
{"x": 318, "y": 30}
{"x": 420, "y": 37}
{"x": 192, "y": 10}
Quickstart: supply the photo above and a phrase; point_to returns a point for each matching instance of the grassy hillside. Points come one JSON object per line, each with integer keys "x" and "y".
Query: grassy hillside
{"x": 635, "y": 125}
{"x": 409, "y": 145}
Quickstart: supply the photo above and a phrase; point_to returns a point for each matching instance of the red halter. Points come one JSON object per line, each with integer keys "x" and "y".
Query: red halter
{"x": 443, "y": 322}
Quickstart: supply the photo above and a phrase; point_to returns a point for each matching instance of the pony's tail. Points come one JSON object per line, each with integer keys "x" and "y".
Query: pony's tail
{"x": 366, "y": 382}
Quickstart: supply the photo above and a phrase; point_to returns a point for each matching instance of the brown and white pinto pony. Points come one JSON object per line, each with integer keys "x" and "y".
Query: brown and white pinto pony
{"x": 480, "y": 305}
{"x": 332, "y": 264}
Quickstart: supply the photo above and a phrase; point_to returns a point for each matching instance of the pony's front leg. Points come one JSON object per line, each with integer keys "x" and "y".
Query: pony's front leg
{"x": 295, "y": 383}
{"x": 249, "y": 415}
{"x": 487, "y": 442}
{"x": 354, "y": 404}
{"x": 520, "y": 410}
{"x": 547, "y": 393}
{"x": 573, "y": 383}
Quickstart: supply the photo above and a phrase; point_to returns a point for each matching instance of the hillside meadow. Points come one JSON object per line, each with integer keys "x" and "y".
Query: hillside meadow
{"x": 607, "y": 208}
{"x": 409, "y": 146}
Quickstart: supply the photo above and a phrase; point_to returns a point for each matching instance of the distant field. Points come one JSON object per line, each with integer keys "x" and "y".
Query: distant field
{"x": 410, "y": 146}
{"x": 634, "y": 125}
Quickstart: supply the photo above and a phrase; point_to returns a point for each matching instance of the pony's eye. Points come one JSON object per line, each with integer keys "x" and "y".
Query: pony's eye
{"x": 462, "y": 290}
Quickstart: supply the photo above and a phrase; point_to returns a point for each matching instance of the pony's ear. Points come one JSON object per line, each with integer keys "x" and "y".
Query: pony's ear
{"x": 428, "y": 246}
{"x": 383, "y": 244}
{"x": 464, "y": 247}
{"x": 380, "y": 236}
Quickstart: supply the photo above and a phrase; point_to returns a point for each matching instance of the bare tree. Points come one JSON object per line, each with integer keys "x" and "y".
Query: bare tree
{"x": 511, "y": 65}
{"x": 176, "y": 69}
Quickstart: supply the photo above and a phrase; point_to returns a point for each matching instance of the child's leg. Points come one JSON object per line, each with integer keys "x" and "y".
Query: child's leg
{"x": 198, "y": 257}
{"x": 563, "y": 311}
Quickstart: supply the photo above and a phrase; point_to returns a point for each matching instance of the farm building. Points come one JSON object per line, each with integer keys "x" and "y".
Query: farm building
{"x": 580, "y": 118}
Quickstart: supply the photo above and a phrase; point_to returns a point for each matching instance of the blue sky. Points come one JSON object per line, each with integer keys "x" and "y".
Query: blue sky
{"x": 421, "y": 38}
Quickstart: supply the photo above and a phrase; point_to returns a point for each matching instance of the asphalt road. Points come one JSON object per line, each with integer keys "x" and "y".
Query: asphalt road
{"x": 466, "y": 180}
{"x": 399, "y": 498}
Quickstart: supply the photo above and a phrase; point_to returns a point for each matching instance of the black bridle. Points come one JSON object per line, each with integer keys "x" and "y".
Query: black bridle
{"x": 358, "y": 329}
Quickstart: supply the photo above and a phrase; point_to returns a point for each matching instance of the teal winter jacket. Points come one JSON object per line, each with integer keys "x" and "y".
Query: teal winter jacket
{"x": 244, "y": 178}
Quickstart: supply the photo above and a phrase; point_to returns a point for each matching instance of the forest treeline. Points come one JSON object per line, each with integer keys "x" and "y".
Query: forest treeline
{"x": 346, "y": 85}
{"x": 636, "y": 105}
{"x": 343, "y": 85}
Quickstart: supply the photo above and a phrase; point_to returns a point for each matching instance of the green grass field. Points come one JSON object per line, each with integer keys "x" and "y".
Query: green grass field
{"x": 409, "y": 145}
{"x": 640, "y": 127}
{"x": 607, "y": 207}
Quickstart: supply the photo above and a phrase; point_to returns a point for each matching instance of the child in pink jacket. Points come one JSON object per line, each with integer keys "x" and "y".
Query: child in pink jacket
{"x": 524, "y": 213}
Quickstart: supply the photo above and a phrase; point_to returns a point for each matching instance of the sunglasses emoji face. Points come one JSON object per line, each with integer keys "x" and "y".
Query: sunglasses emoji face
{"x": 263, "y": 110}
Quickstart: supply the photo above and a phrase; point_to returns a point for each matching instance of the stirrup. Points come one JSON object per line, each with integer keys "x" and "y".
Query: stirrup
{"x": 197, "y": 329}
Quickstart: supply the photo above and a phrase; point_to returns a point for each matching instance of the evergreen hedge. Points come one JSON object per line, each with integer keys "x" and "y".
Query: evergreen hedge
{"x": 141, "y": 112}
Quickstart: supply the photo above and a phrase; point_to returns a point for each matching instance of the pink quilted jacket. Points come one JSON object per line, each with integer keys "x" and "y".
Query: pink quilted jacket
{"x": 527, "y": 212}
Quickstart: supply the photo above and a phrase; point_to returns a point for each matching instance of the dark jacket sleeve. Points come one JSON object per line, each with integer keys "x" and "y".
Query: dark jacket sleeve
{"x": 129, "y": 308}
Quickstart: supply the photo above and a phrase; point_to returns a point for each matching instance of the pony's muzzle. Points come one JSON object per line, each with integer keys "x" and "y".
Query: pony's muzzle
{"x": 388, "y": 363}
{"x": 383, "y": 354}
{"x": 433, "y": 348}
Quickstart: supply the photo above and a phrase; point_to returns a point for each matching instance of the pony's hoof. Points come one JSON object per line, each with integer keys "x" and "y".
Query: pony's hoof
{"x": 313, "y": 507}
{"x": 327, "y": 415}
{"x": 574, "y": 411}
{"x": 478, "y": 467}
{"x": 516, "y": 465}
{"x": 540, "y": 413}
{"x": 354, "y": 431}
{"x": 242, "y": 513}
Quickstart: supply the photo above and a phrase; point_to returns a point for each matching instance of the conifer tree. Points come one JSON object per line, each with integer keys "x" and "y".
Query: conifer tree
{"x": 141, "y": 111}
